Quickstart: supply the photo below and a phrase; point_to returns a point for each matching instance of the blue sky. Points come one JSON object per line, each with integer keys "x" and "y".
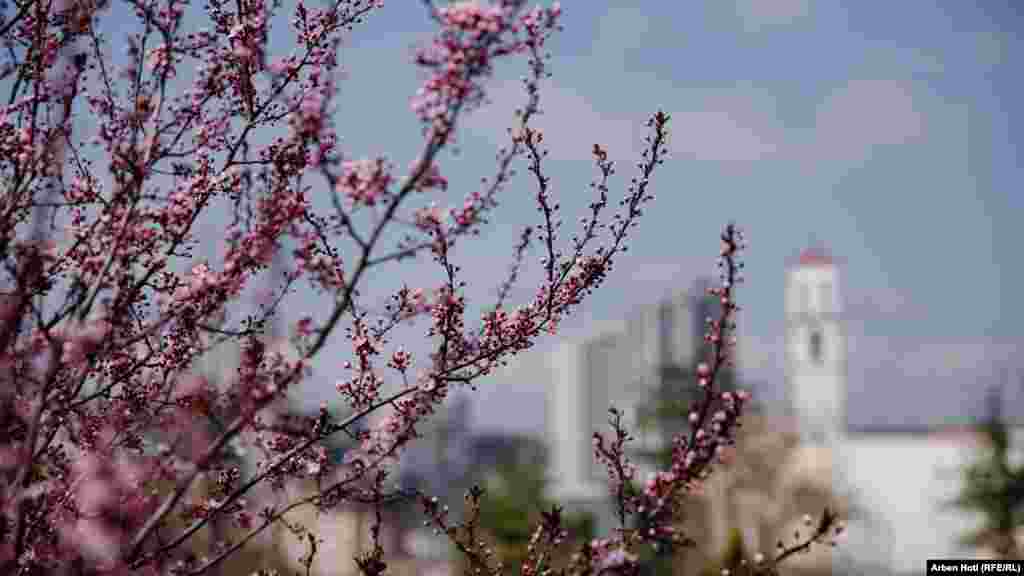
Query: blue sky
{"x": 887, "y": 130}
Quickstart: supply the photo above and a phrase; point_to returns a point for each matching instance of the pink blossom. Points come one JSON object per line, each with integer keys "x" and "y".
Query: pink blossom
{"x": 400, "y": 360}
{"x": 113, "y": 331}
{"x": 98, "y": 541}
{"x": 364, "y": 181}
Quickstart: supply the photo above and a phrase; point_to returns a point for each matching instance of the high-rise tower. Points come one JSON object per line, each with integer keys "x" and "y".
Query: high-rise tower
{"x": 815, "y": 348}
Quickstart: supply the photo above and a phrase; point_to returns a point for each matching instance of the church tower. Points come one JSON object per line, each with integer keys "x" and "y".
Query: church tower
{"x": 815, "y": 348}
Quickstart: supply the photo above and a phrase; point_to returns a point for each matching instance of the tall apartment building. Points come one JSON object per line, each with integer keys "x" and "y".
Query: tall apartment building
{"x": 619, "y": 365}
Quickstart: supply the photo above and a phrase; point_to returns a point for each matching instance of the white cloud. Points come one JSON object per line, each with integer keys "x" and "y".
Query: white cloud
{"x": 849, "y": 124}
{"x": 864, "y": 114}
{"x": 727, "y": 127}
{"x": 718, "y": 135}
{"x": 570, "y": 123}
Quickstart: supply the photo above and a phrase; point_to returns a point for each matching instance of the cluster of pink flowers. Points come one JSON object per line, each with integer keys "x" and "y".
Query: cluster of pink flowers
{"x": 308, "y": 122}
{"x": 109, "y": 500}
{"x": 81, "y": 338}
{"x": 249, "y": 34}
{"x": 162, "y": 61}
{"x": 107, "y": 425}
{"x": 473, "y": 35}
{"x": 364, "y": 181}
{"x": 429, "y": 219}
{"x": 313, "y": 259}
{"x": 363, "y": 388}
{"x": 713, "y": 421}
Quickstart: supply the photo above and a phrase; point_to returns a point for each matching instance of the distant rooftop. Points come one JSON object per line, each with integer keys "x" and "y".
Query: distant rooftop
{"x": 815, "y": 256}
{"x": 948, "y": 431}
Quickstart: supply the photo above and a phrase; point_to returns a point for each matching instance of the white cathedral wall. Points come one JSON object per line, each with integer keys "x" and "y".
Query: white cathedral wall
{"x": 817, "y": 391}
{"x": 903, "y": 482}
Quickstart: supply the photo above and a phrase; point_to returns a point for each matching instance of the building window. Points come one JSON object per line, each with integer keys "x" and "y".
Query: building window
{"x": 816, "y": 347}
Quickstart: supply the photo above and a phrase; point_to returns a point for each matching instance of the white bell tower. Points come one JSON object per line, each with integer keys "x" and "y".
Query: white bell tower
{"x": 815, "y": 348}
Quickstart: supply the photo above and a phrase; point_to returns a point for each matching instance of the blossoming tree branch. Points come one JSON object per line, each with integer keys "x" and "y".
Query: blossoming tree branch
{"x": 110, "y": 170}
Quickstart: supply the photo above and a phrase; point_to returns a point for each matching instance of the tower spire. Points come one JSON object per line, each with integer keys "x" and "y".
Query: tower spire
{"x": 815, "y": 346}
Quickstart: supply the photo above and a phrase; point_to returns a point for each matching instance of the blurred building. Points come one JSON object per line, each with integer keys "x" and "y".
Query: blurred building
{"x": 441, "y": 461}
{"x": 892, "y": 483}
{"x": 898, "y": 480}
{"x": 618, "y": 365}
